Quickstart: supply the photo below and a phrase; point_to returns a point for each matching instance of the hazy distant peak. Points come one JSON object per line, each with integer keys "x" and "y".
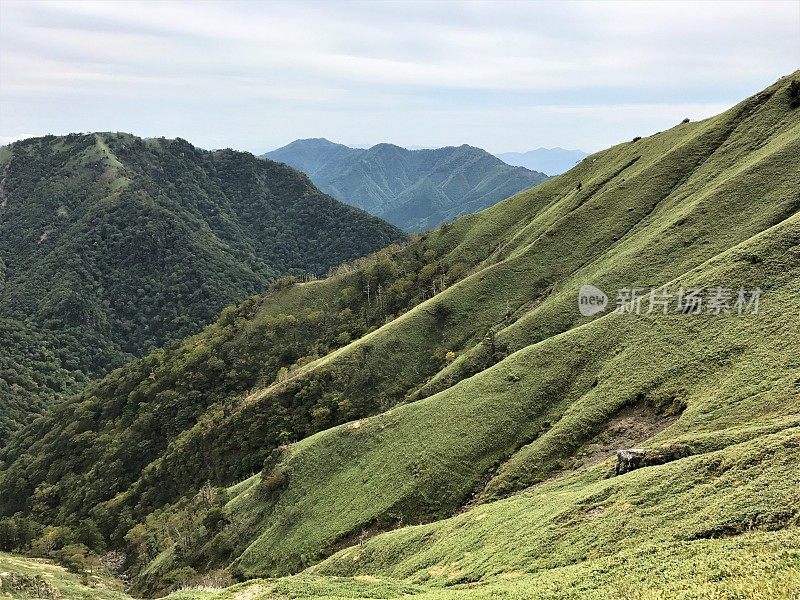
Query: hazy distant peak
{"x": 386, "y": 147}
{"x": 319, "y": 142}
{"x": 552, "y": 161}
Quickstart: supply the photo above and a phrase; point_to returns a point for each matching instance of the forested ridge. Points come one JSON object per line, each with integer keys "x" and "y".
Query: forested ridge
{"x": 414, "y": 189}
{"x": 111, "y": 245}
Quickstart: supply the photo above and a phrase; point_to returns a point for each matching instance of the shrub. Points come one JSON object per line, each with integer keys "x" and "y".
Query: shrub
{"x": 180, "y": 577}
{"x": 74, "y": 558}
{"x": 273, "y": 483}
{"x": 8, "y": 535}
{"x": 274, "y": 476}
{"x": 441, "y": 312}
{"x": 215, "y": 519}
{"x": 284, "y": 282}
{"x": 794, "y": 94}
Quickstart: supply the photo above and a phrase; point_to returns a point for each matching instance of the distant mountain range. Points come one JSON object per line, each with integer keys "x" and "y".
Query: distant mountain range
{"x": 552, "y": 161}
{"x": 111, "y": 245}
{"x": 413, "y": 189}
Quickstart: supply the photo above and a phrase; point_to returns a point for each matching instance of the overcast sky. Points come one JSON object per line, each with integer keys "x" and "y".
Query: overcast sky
{"x": 503, "y": 76}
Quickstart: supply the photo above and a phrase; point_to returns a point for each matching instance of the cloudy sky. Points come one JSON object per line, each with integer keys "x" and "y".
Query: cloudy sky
{"x": 503, "y": 76}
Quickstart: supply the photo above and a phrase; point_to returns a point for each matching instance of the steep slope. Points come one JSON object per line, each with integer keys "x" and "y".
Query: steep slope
{"x": 111, "y": 245}
{"x": 551, "y": 161}
{"x": 414, "y": 189}
{"x": 477, "y": 401}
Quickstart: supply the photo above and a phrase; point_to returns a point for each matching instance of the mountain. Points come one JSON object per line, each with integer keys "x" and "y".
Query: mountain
{"x": 111, "y": 245}
{"x": 441, "y": 420}
{"x": 413, "y": 189}
{"x": 552, "y": 161}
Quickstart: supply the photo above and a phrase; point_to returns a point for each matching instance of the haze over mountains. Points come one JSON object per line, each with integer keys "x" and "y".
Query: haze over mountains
{"x": 111, "y": 245}
{"x": 438, "y": 420}
{"x": 413, "y": 189}
{"x": 551, "y": 161}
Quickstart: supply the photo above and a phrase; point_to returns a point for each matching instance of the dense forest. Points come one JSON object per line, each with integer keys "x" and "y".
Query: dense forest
{"x": 111, "y": 245}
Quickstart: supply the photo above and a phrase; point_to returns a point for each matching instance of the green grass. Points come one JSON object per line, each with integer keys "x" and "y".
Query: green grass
{"x": 5, "y": 154}
{"x": 69, "y": 585}
{"x": 421, "y": 460}
{"x": 757, "y": 566}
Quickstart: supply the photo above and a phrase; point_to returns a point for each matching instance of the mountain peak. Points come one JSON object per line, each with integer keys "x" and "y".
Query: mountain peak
{"x": 319, "y": 142}
{"x": 388, "y": 146}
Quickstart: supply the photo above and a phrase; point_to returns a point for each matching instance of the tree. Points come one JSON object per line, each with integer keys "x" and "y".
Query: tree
{"x": 9, "y": 540}
{"x": 794, "y": 94}
{"x": 88, "y": 534}
{"x": 215, "y": 519}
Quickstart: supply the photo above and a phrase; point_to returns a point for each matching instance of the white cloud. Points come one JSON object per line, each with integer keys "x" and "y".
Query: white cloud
{"x": 259, "y": 74}
{"x": 10, "y": 139}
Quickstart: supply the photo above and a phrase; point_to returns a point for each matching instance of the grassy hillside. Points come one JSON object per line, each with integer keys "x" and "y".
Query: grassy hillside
{"x": 758, "y": 566}
{"x": 414, "y": 189}
{"x": 25, "y": 578}
{"x": 111, "y": 245}
{"x": 533, "y": 415}
{"x": 462, "y": 436}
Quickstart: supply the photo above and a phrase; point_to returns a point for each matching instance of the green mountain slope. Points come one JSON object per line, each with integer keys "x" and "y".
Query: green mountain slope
{"x": 414, "y": 189}
{"x": 758, "y": 566}
{"x": 27, "y": 578}
{"x": 111, "y": 245}
{"x": 462, "y": 435}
